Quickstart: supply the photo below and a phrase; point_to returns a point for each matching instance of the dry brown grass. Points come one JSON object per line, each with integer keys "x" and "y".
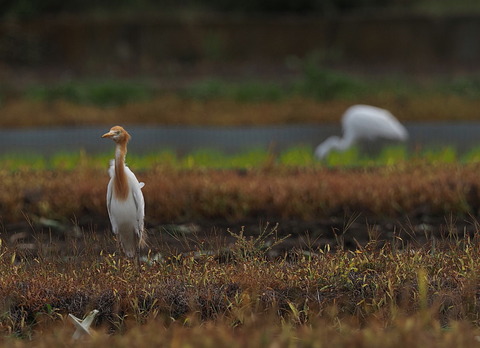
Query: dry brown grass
{"x": 270, "y": 193}
{"x": 369, "y": 297}
{"x": 382, "y": 294}
{"x": 174, "y": 110}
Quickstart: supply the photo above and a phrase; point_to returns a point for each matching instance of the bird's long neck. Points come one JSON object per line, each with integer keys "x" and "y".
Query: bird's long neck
{"x": 334, "y": 143}
{"x": 120, "y": 181}
{"x": 344, "y": 142}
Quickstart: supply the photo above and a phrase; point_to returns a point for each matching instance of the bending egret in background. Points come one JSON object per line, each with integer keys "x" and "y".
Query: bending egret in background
{"x": 125, "y": 203}
{"x": 363, "y": 122}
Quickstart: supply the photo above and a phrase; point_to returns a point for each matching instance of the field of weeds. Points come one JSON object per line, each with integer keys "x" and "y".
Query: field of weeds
{"x": 279, "y": 253}
{"x": 310, "y": 280}
{"x": 375, "y": 296}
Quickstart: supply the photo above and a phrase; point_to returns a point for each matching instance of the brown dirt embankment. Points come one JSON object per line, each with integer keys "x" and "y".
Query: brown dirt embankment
{"x": 175, "y": 110}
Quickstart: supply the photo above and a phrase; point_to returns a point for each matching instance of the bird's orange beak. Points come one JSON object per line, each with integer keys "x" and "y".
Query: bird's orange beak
{"x": 108, "y": 135}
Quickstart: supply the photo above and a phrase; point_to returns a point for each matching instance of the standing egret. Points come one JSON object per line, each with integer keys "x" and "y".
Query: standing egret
{"x": 363, "y": 122}
{"x": 125, "y": 203}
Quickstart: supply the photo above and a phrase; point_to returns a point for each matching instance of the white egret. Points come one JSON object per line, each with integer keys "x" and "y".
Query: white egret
{"x": 363, "y": 122}
{"x": 83, "y": 326}
{"x": 125, "y": 203}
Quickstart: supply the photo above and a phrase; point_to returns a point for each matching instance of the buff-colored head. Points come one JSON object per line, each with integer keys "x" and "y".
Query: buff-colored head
{"x": 117, "y": 134}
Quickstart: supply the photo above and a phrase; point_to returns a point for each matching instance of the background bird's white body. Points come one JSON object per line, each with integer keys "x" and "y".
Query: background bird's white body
{"x": 363, "y": 122}
{"x": 126, "y": 216}
{"x": 370, "y": 122}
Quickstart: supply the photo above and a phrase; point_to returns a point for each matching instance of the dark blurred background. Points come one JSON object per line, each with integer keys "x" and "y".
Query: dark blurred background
{"x": 31, "y": 8}
{"x": 166, "y": 39}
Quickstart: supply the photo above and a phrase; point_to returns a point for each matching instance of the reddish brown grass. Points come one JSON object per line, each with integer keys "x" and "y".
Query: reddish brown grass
{"x": 277, "y": 192}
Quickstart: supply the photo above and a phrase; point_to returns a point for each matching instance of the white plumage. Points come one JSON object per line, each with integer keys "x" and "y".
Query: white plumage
{"x": 82, "y": 327}
{"x": 125, "y": 202}
{"x": 127, "y": 215}
{"x": 363, "y": 122}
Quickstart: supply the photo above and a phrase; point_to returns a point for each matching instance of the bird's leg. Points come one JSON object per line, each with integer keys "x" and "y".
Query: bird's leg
{"x": 119, "y": 248}
{"x": 137, "y": 260}
{"x": 137, "y": 252}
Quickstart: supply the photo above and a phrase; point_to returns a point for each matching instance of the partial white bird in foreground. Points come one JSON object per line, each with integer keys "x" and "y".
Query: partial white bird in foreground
{"x": 125, "y": 203}
{"x": 363, "y": 122}
{"x": 83, "y": 326}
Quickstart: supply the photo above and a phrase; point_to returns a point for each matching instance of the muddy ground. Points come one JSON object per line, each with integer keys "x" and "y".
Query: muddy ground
{"x": 35, "y": 237}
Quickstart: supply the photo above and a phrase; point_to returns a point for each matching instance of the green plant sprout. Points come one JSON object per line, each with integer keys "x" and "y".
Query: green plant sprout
{"x": 297, "y": 156}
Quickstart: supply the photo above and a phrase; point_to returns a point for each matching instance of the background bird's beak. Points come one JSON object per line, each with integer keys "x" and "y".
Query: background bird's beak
{"x": 108, "y": 135}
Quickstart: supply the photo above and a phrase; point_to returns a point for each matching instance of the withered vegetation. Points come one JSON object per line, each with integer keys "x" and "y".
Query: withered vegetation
{"x": 379, "y": 294}
{"x": 176, "y": 195}
{"x": 373, "y": 296}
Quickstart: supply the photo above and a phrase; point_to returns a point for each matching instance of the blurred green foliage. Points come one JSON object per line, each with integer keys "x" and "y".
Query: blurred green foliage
{"x": 246, "y": 91}
{"x": 298, "y": 156}
{"x": 325, "y": 84}
{"x": 464, "y": 86}
{"x": 208, "y": 158}
{"x": 100, "y": 93}
{"x": 314, "y": 81}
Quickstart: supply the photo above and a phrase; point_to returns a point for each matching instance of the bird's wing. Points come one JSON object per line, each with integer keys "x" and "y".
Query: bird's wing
{"x": 111, "y": 173}
{"x": 136, "y": 188}
{"x": 109, "y": 204}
